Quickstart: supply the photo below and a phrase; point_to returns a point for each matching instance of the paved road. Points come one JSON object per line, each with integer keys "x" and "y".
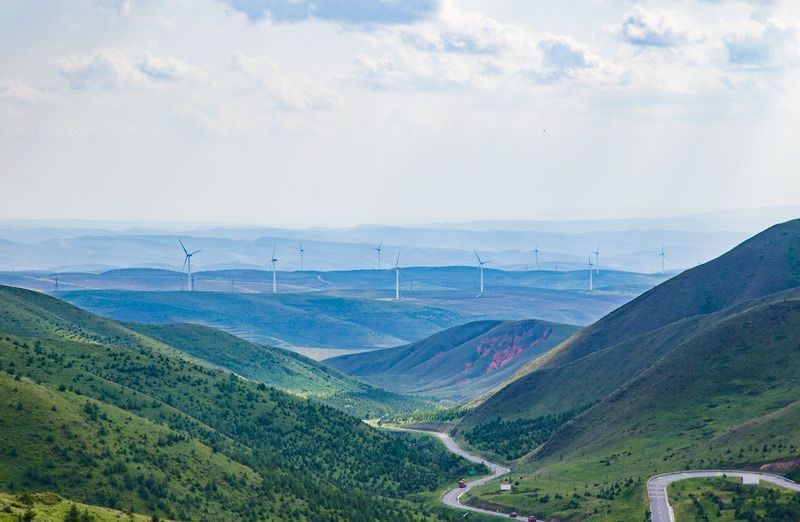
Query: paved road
{"x": 657, "y": 488}
{"x": 452, "y": 497}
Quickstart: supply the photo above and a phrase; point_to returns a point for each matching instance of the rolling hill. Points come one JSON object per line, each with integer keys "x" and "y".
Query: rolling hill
{"x": 283, "y": 369}
{"x": 458, "y": 363}
{"x": 700, "y": 372}
{"x": 105, "y": 415}
{"x": 284, "y": 320}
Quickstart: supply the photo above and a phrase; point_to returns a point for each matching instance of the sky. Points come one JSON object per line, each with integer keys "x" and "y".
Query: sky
{"x": 341, "y": 112}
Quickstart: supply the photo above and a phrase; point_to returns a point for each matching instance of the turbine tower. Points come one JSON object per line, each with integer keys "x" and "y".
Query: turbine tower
{"x": 397, "y": 277}
{"x": 536, "y": 253}
{"x": 662, "y": 255}
{"x": 597, "y": 260}
{"x": 274, "y": 276}
{"x": 591, "y": 285}
{"x": 480, "y": 267}
{"x": 378, "y": 250}
{"x": 302, "y": 251}
{"x": 187, "y": 263}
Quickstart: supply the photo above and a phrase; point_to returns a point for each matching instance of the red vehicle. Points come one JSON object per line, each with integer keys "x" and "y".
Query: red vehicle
{"x": 462, "y": 483}
{"x": 513, "y": 514}
{"x": 532, "y": 518}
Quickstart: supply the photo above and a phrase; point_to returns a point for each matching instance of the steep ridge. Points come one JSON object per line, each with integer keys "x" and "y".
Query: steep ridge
{"x": 458, "y": 363}
{"x": 108, "y": 416}
{"x": 710, "y": 380}
{"x": 763, "y": 265}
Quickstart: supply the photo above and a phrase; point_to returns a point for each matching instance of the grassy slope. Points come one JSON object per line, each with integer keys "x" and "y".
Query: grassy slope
{"x": 306, "y": 320}
{"x": 184, "y": 439}
{"x": 728, "y": 500}
{"x": 283, "y": 369}
{"x": 49, "y": 507}
{"x": 457, "y": 363}
{"x": 765, "y": 264}
{"x": 708, "y": 391}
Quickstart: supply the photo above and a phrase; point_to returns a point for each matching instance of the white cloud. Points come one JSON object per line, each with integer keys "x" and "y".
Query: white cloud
{"x": 657, "y": 28}
{"x": 459, "y": 31}
{"x": 563, "y": 57}
{"x": 293, "y": 93}
{"x": 105, "y": 68}
{"x": 114, "y": 69}
{"x": 14, "y": 90}
{"x": 168, "y": 69}
{"x": 772, "y": 43}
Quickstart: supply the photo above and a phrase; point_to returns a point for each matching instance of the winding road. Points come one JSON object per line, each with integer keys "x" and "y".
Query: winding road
{"x": 660, "y": 509}
{"x": 657, "y": 488}
{"x": 452, "y": 497}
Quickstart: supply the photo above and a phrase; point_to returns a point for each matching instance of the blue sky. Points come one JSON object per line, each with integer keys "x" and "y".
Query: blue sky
{"x": 334, "y": 112}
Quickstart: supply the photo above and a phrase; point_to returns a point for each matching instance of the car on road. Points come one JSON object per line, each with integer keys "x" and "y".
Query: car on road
{"x": 513, "y": 514}
{"x": 532, "y": 518}
{"x": 462, "y": 483}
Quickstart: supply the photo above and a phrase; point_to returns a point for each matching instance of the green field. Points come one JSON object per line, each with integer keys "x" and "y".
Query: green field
{"x": 727, "y": 500}
{"x": 50, "y": 507}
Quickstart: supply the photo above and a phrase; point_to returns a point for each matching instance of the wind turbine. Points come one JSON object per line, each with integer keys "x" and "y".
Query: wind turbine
{"x": 597, "y": 260}
{"x": 591, "y": 287}
{"x": 480, "y": 267}
{"x": 274, "y": 276}
{"x": 302, "y": 251}
{"x": 187, "y": 263}
{"x": 397, "y": 277}
{"x": 378, "y": 250}
{"x": 536, "y": 253}
{"x": 662, "y": 255}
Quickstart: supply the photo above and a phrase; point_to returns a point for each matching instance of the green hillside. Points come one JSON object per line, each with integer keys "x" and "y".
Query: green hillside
{"x": 642, "y": 330}
{"x": 713, "y": 390}
{"x": 459, "y": 363}
{"x": 282, "y": 369}
{"x": 50, "y": 507}
{"x": 104, "y": 415}
{"x": 301, "y": 320}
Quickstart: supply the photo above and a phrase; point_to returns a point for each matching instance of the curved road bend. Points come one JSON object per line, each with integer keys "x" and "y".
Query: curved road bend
{"x": 657, "y": 488}
{"x": 452, "y": 497}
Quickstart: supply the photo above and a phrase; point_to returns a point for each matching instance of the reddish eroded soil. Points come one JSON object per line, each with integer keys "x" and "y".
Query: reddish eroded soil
{"x": 780, "y": 466}
{"x": 505, "y": 349}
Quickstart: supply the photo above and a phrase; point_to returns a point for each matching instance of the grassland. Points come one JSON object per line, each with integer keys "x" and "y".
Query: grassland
{"x": 728, "y": 500}
{"x": 50, "y": 507}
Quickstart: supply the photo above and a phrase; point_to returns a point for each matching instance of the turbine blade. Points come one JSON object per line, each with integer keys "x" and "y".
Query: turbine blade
{"x": 195, "y": 252}
{"x": 183, "y": 247}
{"x": 274, "y": 247}
{"x": 479, "y": 257}
{"x": 185, "y": 259}
{"x": 397, "y": 263}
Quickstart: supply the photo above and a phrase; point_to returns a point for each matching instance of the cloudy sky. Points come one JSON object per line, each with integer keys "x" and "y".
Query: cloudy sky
{"x": 338, "y": 112}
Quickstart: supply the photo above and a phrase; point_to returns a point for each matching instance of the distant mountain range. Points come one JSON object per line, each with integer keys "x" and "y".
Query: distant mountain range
{"x": 625, "y": 244}
{"x": 459, "y": 363}
{"x": 702, "y": 371}
{"x": 344, "y": 309}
